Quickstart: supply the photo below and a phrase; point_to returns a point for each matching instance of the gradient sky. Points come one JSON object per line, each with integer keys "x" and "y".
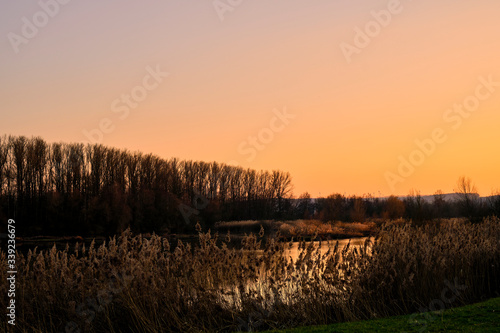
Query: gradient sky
{"x": 353, "y": 120}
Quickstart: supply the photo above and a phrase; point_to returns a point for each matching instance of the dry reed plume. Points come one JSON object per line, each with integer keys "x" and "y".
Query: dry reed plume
{"x": 138, "y": 284}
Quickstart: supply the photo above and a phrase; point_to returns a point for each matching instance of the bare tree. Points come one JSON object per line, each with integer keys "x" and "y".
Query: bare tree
{"x": 394, "y": 208}
{"x": 358, "y": 210}
{"x": 87, "y": 188}
{"x": 213, "y": 180}
{"x": 494, "y": 203}
{"x": 415, "y": 206}
{"x": 468, "y": 196}
{"x": 282, "y": 188}
{"x": 439, "y": 204}
{"x": 19, "y": 154}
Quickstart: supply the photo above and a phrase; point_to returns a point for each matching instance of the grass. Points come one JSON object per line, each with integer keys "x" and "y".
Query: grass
{"x": 134, "y": 283}
{"x": 480, "y": 317}
{"x": 301, "y": 228}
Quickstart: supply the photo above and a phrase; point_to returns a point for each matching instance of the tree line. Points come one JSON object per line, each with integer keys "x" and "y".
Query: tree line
{"x": 65, "y": 189}
{"x": 337, "y": 207}
{"x": 62, "y": 188}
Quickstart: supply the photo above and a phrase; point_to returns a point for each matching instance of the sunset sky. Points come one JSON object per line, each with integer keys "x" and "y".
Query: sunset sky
{"x": 361, "y": 82}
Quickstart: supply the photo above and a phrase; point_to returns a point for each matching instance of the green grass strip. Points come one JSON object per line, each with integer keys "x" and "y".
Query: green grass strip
{"x": 480, "y": 317}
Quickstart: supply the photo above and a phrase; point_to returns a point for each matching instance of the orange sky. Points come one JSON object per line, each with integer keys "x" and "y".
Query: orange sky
{"x": 353, "y": 119}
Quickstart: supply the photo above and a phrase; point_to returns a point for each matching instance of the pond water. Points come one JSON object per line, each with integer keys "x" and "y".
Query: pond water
{"x": 294, "y": 251}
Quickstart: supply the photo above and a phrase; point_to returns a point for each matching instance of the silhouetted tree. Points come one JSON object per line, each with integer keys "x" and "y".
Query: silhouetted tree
{"x": 468, "y": 197}
{"x": 358, "y": 210}
{"x": 72, "y": 188}
{"x": 304, "y": 208}
{"x": 394, "y": 208}
{"x": 494, "y": 203}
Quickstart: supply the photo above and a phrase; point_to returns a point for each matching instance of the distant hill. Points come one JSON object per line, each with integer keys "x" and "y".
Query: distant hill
{"x": 448, "y": 197}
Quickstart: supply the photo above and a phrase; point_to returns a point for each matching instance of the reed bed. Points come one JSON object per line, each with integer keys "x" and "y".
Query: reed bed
{"x": 136, "y": 284}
